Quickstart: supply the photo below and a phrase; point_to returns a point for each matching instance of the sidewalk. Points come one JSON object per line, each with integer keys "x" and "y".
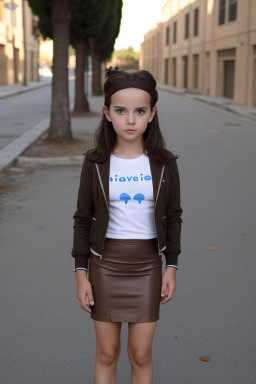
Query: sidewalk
{"x": 16, "y": 89}
{"x": 53, "y": 154}
{"x": 220, "y": 102}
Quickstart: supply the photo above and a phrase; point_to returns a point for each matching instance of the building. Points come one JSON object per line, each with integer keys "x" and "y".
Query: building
{"x": 205, "y": 46}
{"x": 17, "y": 65}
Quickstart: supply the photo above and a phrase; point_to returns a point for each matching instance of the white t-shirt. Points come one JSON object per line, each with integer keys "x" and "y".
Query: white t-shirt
{"x": 131, "y": 199}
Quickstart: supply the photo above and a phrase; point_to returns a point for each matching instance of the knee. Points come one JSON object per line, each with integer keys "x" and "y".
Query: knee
{"x": 109, "y": 356}
{"x": 139, "y": 356}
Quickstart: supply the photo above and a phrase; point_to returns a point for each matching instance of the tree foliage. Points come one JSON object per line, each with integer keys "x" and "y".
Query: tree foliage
{"x": 97, "y": 22}
{"x": 43, "y": 9}
{"x": 102, "y": 44}
{"x": 97, "y": 19}
{"x": 128, "y": 53}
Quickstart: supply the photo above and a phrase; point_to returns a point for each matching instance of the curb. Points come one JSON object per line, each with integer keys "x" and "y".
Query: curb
{"x": 10, "y": 153}
{"x": 23, "y": 90}
{"x": 27, "y": 162}
{"x": 228, "y": 106}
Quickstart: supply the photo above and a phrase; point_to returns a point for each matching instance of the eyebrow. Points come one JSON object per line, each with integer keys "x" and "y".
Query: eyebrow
{"x": 120, "y": 106}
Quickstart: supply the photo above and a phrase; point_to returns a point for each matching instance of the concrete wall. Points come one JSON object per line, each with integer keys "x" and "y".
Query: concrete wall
{"x": 220, "y": 60}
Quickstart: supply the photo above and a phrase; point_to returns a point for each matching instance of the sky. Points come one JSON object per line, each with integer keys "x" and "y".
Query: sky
{"x": 138, "y": 17}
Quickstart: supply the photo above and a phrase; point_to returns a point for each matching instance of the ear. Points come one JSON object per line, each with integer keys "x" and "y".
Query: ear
{"x": 154, "y": 109}
{"x": 106, "y": 113}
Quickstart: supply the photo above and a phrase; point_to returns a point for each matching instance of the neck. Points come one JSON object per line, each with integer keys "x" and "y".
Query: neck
{"x": 129, "y": 149}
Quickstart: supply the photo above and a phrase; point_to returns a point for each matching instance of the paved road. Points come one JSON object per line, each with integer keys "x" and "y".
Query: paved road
{"x": 21, "y": 112}
{"x": 46, "y": 338}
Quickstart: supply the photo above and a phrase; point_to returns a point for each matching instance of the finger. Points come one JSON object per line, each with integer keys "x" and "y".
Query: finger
{"x": 84, "y": 305}
{"x": 169, "y": 296}
{"x": 90, "y": 298}
{"x": 163, "y": 289}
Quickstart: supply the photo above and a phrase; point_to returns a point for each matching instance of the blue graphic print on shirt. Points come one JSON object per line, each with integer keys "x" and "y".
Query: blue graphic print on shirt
{"x": 125, "y": 197}
{"x": 116, "y": 178}
{"x": 139, "y": 197}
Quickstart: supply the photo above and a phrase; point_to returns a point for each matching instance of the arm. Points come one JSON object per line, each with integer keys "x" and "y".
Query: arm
{"x": 173, "y": 217}
{"x": 81, "y": 246}
{"x": 168, "y": 284}
{"x": 173, "y": 221}
{"x": 84, "y": 291}
{"x": 83, "y": 218}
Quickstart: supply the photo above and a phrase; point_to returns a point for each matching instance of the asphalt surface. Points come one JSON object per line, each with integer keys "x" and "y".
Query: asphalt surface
{"x": 47, "y": 338}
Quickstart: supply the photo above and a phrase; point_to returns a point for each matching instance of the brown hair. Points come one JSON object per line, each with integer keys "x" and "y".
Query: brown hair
{"x": 105, "y": 135}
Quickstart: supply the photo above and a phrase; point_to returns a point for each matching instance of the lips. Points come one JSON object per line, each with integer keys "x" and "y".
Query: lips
{"x": 130, "y": 130}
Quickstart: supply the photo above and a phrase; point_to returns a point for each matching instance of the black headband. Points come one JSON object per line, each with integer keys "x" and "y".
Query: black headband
{"x": 129, "y": 82}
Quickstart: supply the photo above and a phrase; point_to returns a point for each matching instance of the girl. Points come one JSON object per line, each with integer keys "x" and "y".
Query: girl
{"x": 127, "y": 217}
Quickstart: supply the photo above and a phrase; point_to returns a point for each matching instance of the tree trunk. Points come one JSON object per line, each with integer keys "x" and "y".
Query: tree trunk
{"x": 60, "y": 126}
{"x": 96, "y": 69}
{"x": 81, "y": 102}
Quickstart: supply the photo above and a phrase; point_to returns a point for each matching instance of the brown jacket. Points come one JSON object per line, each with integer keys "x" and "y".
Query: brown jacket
{"x": 92, "y": 214}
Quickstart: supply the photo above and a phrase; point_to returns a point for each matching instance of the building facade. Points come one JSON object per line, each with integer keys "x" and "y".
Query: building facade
{"x": 205, "y": 46}
{"x": 19, "y": 48}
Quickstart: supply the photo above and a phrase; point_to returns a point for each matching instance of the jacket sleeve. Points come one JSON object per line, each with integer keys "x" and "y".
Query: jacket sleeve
{"x": 83, "y": 217}
{"x": 173, "y": 217}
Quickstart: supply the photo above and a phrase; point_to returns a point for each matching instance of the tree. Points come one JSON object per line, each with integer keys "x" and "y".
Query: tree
{"x": 81, "y": 101}
{"x": 102, "y": 43}
{"x": 54, "y": 22}
{"x": 84, "y": 17}
{"x": 60, "y": 127}
{"x": 93, "y": 21}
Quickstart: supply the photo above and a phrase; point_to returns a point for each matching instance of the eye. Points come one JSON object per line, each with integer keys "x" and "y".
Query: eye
{"x": 140, "y": 112}
{"x": 120, "y": 111}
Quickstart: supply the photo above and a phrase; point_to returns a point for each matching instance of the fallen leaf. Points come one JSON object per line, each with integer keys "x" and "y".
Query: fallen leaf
{"x": 213, "y": 248}
{"x": 205, "y": 358}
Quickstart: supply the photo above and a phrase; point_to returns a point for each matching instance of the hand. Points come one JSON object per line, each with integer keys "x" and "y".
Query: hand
{"x": 168, "y": 284}
{"x": 84, "y": 291}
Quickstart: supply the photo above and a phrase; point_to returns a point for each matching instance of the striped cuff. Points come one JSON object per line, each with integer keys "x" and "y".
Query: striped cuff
{"x": 174, "y": 266}
{"x": 80, "y": 268}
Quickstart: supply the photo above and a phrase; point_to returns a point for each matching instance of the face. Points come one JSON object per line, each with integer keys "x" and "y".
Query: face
{"x": 130, "y": 112}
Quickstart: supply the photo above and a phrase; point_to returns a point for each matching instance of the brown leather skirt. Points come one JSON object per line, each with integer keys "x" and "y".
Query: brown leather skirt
{"x": 126, "y": 282}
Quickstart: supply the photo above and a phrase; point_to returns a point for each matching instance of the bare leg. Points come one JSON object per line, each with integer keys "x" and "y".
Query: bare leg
{"x": 107, "y": 351}
{"x": 140, "y": 351}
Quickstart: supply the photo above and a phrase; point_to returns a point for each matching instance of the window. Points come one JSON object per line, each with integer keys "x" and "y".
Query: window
{"x": 166, "y": 74}
{"x": 175, "y": 32}
{"x": 185, "y": 71}
{"x": 232, "y": 11}
{"x": 196, "y": 20}
{"x": 167, "y": 40}
{"x": 195, "y": 70}
{"x": 186, "y": 25}
{"x": 34, "y": 23}
{"x": 174, "y": 74}
{"x": 222, "y": 11}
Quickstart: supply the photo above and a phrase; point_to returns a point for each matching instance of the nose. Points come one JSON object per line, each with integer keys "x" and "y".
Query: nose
{"x": 130, "y": 118}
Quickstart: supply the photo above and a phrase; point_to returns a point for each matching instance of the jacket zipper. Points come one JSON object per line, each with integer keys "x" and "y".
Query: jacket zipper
{"x": 159, "y": 186}
{"x": 101, "y": 184}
